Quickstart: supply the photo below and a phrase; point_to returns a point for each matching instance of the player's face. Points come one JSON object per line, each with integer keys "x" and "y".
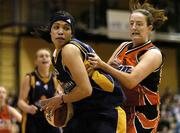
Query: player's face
{"x": 2, "y": 94}
{"x": 139, "y": 30}
{"x": 43, "y": 58}
{"x": 61, "y": 33}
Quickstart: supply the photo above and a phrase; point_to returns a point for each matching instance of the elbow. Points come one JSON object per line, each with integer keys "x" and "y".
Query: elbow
{"x": 130, "y": 85}
{"x": 84, "y": 91}
{"x": 19, "y": 104}
{"x": 88, "y": 91}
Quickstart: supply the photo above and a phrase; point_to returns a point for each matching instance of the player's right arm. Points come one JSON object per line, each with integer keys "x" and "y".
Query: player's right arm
{"x": 23, "y": 97}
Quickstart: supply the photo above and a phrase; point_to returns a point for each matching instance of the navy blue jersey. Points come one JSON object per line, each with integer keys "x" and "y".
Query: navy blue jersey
{"x": 40, "y": 88}
{"x": 107, "y": 92}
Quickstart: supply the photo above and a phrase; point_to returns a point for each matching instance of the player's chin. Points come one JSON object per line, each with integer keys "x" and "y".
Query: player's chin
{"x": 137, "y": 39}
{"x": 60, "y": 41}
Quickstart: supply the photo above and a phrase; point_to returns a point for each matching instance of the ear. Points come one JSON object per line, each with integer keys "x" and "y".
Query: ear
{"x": 150, "y": 27}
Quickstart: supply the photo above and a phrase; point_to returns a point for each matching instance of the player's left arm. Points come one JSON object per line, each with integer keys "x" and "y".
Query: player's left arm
{"x": 72, "y": 58}
{"x": 149, "y": 62}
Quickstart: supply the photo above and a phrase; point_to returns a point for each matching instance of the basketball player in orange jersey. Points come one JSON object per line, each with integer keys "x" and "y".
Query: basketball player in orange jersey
{"x": 137, "y": 66}
{"x": 7, "y": 114}
{"x": 37, "y": 85}
{"x": 96, "y": 105}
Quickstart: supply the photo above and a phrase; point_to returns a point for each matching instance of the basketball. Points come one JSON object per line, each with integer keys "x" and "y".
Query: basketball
{"x": 60, "y": 116}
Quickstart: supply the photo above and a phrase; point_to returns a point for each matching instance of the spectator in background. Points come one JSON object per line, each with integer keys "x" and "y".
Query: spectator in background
{"x": 170, "y": 113}
{"x": 8, "y": 114}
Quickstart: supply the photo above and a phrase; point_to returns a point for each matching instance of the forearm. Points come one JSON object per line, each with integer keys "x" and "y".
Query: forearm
{"x": 23, "y": 106}
{"x": 77, "y": 94}
{"x": 15, "y": 113}
{"x": 124, "y": 78}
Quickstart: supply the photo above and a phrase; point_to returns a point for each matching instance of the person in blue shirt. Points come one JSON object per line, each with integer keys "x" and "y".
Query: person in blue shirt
{"x": 95, "y": 95}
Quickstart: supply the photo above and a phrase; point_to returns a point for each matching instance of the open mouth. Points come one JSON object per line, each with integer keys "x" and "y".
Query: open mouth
{"x": 45, "y": 62}
{"x": 135, "y": 33}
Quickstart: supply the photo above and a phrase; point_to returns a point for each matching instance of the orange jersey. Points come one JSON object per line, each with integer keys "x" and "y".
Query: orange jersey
{"x": 5, "y": 120}
{"x": 146, "y": 92}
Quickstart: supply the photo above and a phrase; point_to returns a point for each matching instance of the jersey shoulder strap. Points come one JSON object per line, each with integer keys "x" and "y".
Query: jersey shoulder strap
{"x": 55, "y": 81}
{"x": 31, "y": 79}
{"x": 121, "y": 52}
{"x": 79, "y": 46}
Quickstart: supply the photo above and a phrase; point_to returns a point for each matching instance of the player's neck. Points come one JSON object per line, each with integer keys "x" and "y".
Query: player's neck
{"x": 43, "y": 73}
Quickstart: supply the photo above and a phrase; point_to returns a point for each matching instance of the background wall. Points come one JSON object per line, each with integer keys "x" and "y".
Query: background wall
{"x": 28, "y": 48}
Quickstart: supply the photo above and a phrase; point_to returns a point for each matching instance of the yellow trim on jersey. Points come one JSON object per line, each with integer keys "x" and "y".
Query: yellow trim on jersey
{"x": 121, "y": 124}
{"x": 23, "y": 124}
{"x": 87, "y": 64}
{"x": 55, "y": 82}
{"x": 44, "y": 79}
{"x": 32, "y": 81}
{"x": 102, "y": 81}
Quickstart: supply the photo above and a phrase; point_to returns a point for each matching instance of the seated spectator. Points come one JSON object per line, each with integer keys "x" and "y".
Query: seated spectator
{"x": 8, "y": 114}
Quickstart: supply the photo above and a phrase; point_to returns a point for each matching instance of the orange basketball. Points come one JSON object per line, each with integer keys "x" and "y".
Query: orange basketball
{"x": 61, "y": 116}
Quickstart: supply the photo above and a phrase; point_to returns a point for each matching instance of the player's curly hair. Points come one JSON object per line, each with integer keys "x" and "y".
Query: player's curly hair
{"x": 155, "y": 17}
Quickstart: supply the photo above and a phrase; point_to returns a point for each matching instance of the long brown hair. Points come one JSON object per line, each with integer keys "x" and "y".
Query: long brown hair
{"x": 155, "y": 17}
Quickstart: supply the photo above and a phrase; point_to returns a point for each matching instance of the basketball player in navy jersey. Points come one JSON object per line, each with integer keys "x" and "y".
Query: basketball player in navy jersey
{"x": 37, "y": 85}
{"x": 96, "y": 105}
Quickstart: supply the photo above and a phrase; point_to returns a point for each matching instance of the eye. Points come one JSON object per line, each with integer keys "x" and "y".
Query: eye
{"x": 131, "y": 23}
{"x": 55, "y": 27}
{"x": 139, "y": 24}
{"x": 47, "y": 55}
{"x": 41, "y": 56}
{"x": 67, "y": 27}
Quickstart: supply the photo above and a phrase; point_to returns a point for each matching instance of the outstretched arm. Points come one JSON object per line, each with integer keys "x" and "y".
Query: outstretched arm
{"x": 149, "y": 62}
